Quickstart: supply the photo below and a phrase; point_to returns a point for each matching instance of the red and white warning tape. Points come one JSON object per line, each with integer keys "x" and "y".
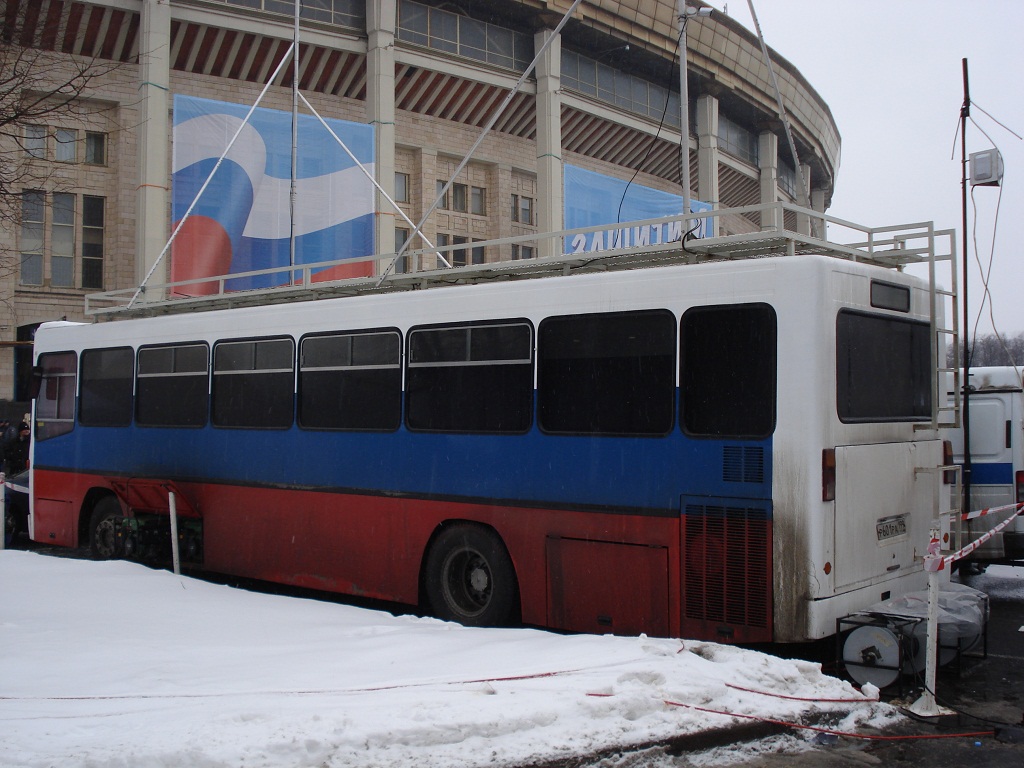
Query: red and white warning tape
{"x": 938, "y": 563}
{"x": 991, "y": 511}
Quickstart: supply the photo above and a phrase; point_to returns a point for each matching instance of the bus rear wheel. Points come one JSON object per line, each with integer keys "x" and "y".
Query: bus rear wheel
{"x": 470, "y": 578}
{"x": 104, "y": 543}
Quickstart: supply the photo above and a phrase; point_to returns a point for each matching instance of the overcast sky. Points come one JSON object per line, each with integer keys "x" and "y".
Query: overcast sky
{"x": 892, "y": 75}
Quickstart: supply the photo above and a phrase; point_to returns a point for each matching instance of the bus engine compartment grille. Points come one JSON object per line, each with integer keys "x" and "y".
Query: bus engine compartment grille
{"x": 726, "y": 570}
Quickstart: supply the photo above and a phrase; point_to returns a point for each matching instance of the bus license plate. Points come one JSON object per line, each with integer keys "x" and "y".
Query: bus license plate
{"x": 891, "y": 527}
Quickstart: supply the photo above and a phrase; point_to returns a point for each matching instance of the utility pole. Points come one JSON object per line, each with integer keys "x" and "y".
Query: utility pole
{"x": 965, "y": 112}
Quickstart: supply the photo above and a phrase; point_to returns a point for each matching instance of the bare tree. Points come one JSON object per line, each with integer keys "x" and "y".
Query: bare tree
{"x": 38, "y": 90}
{"x": 991, "y": 350}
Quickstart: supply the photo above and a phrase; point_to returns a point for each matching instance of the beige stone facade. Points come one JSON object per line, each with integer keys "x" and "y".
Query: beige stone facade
{"x": 443, "y": 93}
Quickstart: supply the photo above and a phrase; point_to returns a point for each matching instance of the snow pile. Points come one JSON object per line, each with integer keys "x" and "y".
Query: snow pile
{"x": 114, "y": 664}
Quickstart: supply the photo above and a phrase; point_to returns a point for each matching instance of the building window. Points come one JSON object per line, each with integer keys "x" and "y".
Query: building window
{"x": 32, "y": 223}
{"x": 478, "y": 201}
{"x": 93, "y": 218}
{"x": 479, "y": 254}
{"x": 458, "y": 256}
{"x": 459, "y": 198}
{"x": 35, "y": 141}
{"x": 344, "y": 13}
{"x": 737, "y": 140}
{"x": 402, "y": 187}
{"x": 95, "y": 148}
{"x": 442, "y": 195}
{"x": 62, "y": 241}
{"x": 66, "y": 146}
{"x": 522, "y": 251}
{"x": 624, "y": 90}
{"x": 522, "y": 209}
{"x": 458, "y": 34}
{"x": 401, "y": 236}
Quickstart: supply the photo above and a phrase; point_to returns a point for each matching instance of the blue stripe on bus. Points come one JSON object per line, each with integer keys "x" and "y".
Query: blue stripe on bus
{"x": 647, "y": 473}
{"x": 996, "y": 473}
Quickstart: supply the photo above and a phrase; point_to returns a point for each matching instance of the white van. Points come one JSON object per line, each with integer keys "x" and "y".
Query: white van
{"x": 997, "y": 459}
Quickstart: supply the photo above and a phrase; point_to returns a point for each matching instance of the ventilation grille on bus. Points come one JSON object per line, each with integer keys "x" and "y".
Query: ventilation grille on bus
{"x": 743, "y": 464}
{"x": 727, "y": 574}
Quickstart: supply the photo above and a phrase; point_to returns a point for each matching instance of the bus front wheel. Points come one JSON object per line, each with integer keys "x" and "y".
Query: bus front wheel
{"x": 470, "y": 578}
{"x": 104, "y": 543}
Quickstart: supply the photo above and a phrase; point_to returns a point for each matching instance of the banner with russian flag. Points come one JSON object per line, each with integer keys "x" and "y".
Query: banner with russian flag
{"x": 242, "y": 220}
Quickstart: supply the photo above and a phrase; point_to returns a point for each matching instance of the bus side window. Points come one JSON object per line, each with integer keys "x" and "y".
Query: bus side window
{"x": 607, "y": 374}
{"x": 254, "y": 383}
{"x": 173, "y": 388}
{"x": 471, "y": 378}
{"x": 351, "y": 381}
{"x": 108, "y": 381}
{"x": 728, "y": 370}
{"x": 55, "y": 403}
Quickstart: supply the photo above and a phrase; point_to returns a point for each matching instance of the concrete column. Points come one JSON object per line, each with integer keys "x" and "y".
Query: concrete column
{"x": 550, "y": 203}
{"x": 380, "y": 111}
{"x": 803, "y": 221}
{"x": 501, "y": 212}
{"x": 707, "y": 155}
{"x": 768, "y": 149}
{"x": 427, "y": 193}
{"x": 151, "y": 225}
{"x": 819, "y": 226}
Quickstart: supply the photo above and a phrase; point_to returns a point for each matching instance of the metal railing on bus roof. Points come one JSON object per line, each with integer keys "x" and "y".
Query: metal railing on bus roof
{"x": 890, "y": 246}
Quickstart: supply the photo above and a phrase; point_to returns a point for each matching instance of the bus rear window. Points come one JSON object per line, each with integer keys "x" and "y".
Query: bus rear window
{"x": 883, "y": 368}
{"x": 55, "y": 403}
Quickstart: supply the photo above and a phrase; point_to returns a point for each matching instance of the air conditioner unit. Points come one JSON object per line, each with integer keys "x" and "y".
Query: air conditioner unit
{"x": 986, "y": 168}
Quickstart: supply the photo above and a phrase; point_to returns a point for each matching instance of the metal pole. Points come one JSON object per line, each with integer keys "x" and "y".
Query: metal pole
{"x": 293, "y": 190}
{"x": 3, "y": 509}
{"x": 174, "y": 533}
{"x": 684, "y": 115}
{"x": 965, "y": 112}
{"x": 685, "y": 13}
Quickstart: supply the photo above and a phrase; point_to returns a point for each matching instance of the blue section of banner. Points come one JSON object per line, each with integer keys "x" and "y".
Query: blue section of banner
{"x": 593, "y": 199}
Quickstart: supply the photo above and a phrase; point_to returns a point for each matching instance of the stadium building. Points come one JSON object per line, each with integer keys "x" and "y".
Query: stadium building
{"x": 423, "y": 78}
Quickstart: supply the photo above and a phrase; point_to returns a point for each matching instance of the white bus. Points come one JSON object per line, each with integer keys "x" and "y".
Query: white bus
{"x": 741, "y": 451}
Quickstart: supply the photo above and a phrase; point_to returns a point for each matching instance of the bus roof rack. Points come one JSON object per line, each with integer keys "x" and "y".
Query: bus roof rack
{"x": 629, "y": 244}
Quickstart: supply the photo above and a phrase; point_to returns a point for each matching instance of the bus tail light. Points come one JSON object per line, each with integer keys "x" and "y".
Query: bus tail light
{"x": 949, "y": 475}
{"x": 1018, "y": 482}
{"x": 828, "y": 474}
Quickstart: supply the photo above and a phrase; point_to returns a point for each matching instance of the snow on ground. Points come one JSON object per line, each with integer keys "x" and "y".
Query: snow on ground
{"x": 114, "y": 664}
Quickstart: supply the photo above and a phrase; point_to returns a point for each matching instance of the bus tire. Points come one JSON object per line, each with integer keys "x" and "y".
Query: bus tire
{"x": 104, "y": 543}
{"x": 470, "y": 578}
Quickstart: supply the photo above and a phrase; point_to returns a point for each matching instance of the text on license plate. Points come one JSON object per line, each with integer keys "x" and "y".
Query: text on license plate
{"x": 891, "y": 527}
